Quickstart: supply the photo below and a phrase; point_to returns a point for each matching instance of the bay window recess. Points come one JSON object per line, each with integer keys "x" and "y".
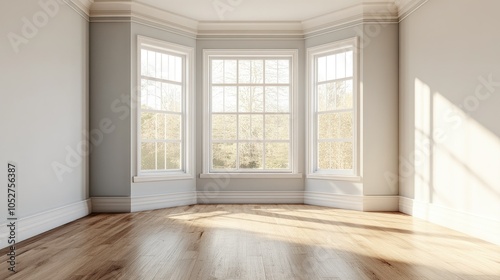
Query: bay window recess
{"x": 249, "y": 107}
{"x": 164, "y": 111}
{"x": 333, "y": 111}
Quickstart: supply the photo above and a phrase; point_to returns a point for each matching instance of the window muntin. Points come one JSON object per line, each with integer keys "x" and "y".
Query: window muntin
{"x": 250, "y": 114}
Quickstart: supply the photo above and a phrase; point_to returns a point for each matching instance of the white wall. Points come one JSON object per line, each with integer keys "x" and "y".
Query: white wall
{"x": 44, "y": 106}
{"x": 449, "y": 131}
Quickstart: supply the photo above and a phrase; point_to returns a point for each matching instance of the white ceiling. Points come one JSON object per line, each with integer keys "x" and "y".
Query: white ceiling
{"x": 253, "y": 10}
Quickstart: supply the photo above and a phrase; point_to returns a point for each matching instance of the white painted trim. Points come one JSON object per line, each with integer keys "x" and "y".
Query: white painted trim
{"x": 311, "y": 136}
{"x": 474, "y": 225}
{"x": 293, "y": 55}
{"x": 342, "y": 201}
{"x": 132, "y": 11}
{"x": 82, "y": 5}
{"x": 111, "y": 204}
{"x": 189, "y": 112}
{"x": 33, "y": 225}
{"x": 153, "y": 202}
{"x": 159, "y": 178}
{"x": 257, "y": 197}
{"x": 381, "y": 203}
{"x": 251, "y": 176}
{"x": 407, "y": 7}
{"x": 315, "y": 176}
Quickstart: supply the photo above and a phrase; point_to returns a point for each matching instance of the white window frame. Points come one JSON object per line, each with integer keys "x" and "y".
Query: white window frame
{"x": 312, "y": 132}
{"x": 292, "y": 54}
{"x": 188, "y": 112}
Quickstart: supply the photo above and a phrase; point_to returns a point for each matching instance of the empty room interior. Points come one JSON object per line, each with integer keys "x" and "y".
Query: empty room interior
{"x": 250, "y": 139}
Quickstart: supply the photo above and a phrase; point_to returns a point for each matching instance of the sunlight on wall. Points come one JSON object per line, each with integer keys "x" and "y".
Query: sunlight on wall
{"x": 421, "y": 160}
{"x": 466, "y": 161}
{"x": 457, "y": 160}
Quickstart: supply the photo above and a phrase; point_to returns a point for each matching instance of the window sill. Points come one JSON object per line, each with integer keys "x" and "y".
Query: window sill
{"x": 251, "y": 176}
{"x": 334, "y": 177}
{"x": 159, "y": 178}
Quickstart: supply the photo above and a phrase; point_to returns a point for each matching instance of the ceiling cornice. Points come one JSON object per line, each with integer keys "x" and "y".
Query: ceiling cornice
{"x": 406, "y": 7}
{"x": 131, "y": 11}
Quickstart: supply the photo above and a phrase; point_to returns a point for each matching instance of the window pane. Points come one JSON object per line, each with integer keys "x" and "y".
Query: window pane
{"x": 335, "y": 126}
{"x": 224, "y": 99}
{"x": 344, "y": 95}
{"x": 218, "y": 99}
{"x": 283, "y": 71}
{"x": 326, "y": 97}
{"x": 251, "y": 127}
{"x": 161, "y": 156}
{"x": 224, "y": 155}
{"x": 217, "y": 71}
{"x": 277, "y": 156}
{"x": 224, "y": 127}
{"x": 151, "y": 64}
{"x": 230, "y": 71}
{"x": 335, "y": 155}
{"x": 271, "y": 71}
{"x": 173, "y": 155}
{"x": 251, "y": 99}
{"x": 257, "y": 72}
{"x": 277, "y": 127}
{"x": 148, "y": 126}
{"x": 148, "y": 158}
{"x": 340, "y": 69}
{"x": 178, "y": 69}
{"x": 349, "y": 61}
{"x": 173, "y": 127}
{"x": 330, "y": 72}
{"x": 278, "y": 99}
{"x": 171, "y": 98}
{"x": 322, "y": 69}
{"x": 251, "y": 155}
{"x": 144, "y": 62}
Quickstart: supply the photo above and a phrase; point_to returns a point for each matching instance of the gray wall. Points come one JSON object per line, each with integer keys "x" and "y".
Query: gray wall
{"x": 445, "y": 59}
{"x": 113, "y": 60}
{"x": 110, "y": 103}
{"x": 378, "y": 110}
{"x": 44, "y": 106}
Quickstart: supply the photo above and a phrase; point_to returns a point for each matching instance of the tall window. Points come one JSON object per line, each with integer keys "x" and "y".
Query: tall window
{"x": 333, "y": 109}
{"x": 163, "y": 135}
{"x": 249, "y": 100}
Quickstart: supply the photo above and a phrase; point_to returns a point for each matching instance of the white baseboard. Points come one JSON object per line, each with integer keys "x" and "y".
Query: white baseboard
{"x": 28, "y": 227}
{"x": 473, "y": 225}
{"x": 153, "y": 202}
{"x": 255, "y": 197}
{"x": 381, "y": 203}
{"x": 350, "y": 202}
{"x": 111, "y": 204}
{"x": 141, "y": 203}
{"x": 353, "y": 202}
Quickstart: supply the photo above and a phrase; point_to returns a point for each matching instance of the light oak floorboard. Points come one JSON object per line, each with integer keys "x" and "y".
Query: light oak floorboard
{"x": 253, "y": 242}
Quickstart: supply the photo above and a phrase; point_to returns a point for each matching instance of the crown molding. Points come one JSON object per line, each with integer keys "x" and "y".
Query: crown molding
{"x": 407, "y": 7}
{"x": 376, "y": 11}
{"x": 111, "y": 10}
{"x": 367, "y": 12}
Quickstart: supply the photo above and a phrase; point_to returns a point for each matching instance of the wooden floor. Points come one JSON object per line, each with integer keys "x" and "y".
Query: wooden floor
{"x": 253, "y": 242}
